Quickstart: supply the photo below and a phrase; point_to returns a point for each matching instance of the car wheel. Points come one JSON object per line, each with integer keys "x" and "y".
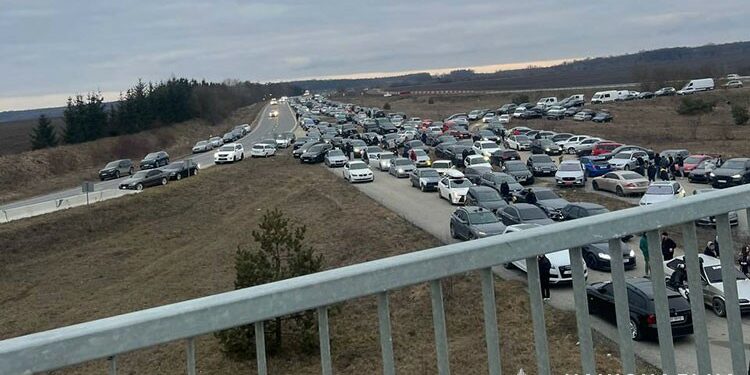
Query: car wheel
{"x": 421, "y": 187}
{"x": 590, "y": 260}
{"x": 242, "y": 156}
{"x": 164, "y": 181}
{"x": 234, "y": 159}
{"x": 195, "y": 171}
{"x": 117, "y": 174}
{"x": 131, "y": 171}
{"x": 719, "y": 307}
{"x": 139, "y": 187}
{"x": 627, "y": 167}
{"x": 471, "y": 236}
{"x": 453, "y": 232}
{"x": 179, "y": 176}
{"x": 619, "y": 192}
{"x": 571, "y": 151}
{"x": 595, "y": 185}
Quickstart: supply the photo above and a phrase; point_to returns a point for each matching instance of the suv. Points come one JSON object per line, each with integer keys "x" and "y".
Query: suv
{"x": 545, "y": 146}
{"x": 229, "y": 153}
{"x": 116, "y": 168}
{"x": 155, "y": 160}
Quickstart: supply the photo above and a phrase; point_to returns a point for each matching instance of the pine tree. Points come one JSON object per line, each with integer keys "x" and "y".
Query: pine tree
{"x": 43, "y": 135}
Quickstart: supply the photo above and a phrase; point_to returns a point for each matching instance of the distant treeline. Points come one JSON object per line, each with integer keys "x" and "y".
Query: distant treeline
{"x": 152, "y": 105}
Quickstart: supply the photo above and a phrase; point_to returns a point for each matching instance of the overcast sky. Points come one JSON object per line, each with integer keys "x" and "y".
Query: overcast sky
{"x": 51, "y": 49}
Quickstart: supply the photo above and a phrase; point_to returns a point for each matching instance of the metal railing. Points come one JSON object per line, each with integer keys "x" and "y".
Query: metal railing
{"x": 106, "y": 338}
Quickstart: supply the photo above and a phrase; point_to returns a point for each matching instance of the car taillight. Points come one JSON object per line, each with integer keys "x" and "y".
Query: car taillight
{"x": 651, "y": 319}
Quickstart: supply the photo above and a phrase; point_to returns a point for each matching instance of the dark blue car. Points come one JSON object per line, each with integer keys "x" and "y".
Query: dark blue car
{"x": 594, "y": 166}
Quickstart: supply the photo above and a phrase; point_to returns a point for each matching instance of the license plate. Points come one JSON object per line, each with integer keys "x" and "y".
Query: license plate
{"x": 568, "y": 182}
{"x": 674, "y": 319}
{"x": 723, "y": 181}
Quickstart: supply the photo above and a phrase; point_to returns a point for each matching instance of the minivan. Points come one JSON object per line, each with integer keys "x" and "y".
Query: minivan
{"x": 604, "y": 97}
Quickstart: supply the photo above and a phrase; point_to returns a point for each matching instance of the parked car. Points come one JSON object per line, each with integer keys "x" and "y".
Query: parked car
{"x": 284, "y": 140}
{"x": 545, "y": 198}
{"x": 443, "y": 167}
{"x": 143, "y": 179}
{"x": 523, "y": 213}
{"x": 545, "y": 146}
{"x": 601, "y": 301}
{"x": 504, "y": 119}
{"x": 415, "y": 144}
{"x": 495, "y": 180}
{"x": 372, "y": 154}
{"x": 627, "y": 160}
{"x": 470, "y": 223}
{"x": 477, "y": 161}
{"x": 593, "y": 167}
{"x": 485, "y": 148}
{"x": 570, "y": 173}
{"x": 604, "y": 148}
{"x": 540, "y": 165}
{"x": 662, "y": 191}
{"x": 507, "y": 109}
{"x": 567, "y": 144}
{"x": 426, "y": 179}
{"x": 202, "y": 146}
{"x": 500, "y": 157}
{"x": 179, "y": 169}
{"x": 229, "y": 137}
{"x": 335, "y": 158}
{"x": 712, "y": 281}
{"x": 621, "y": 183}
{"x": 420, "y": 158}
{"x": 315, "y": 154}
{"x": 232, "y": 152}
{"x": 357, "y": 171}
{"x": 665, "y": 91}
{"x": 454, "y": 189}
{"x": 518, "y": 142}
{"x": 298, "y": 151}
{"x": 486, "y": 197}
{"x": 216, "y": 142}
{"x": 384, "y": 161}
{"x": 519, "y": 171}
{"x": 584, "y": 148}
{"x": 577, "y": 210}
{"x": 733, "y": 84}
{"x": 155, "y": 160}
{"x": 584, "y": 115}
{"x": 401, "y": 167}
{"x": 117, "y": 168}
{"x": 702, "y": 172}
{"x": 697, "y": 85}
{"x": 645, "y": 95}
{"x": 692, "y": 161}
{"x": 732, "y": 173}
{"x": 711, "y": 220}
{"x": 474, "y": 174}
{"x": 556, "y": 112}
{"x": 488, "y": 117}
{"x": 598, "y": 256}
{"x": 560, "y": 272}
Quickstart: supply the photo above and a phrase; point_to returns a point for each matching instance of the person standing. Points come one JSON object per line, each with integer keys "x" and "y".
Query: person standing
{"x": 651, "y": 172}
{"x": 644, "y": 249}
{"x": 667, "y": 246}
{"x": 663, "y": 174}
{"x": 544, "y": 275}
{"x": 504, "y": 190}
{"x": 424, "y": 137}
{"x": 680, "y": 166}
{"x": 744, "y": 260}
{"x": 349, "y": 151}
{"x": 710, "y": 250}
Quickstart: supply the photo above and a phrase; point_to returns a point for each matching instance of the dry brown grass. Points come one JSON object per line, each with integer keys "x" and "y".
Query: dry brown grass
{"x": 35, "y": 172}
{"x": 15, "y": 135}
{"x": 178, "y": 242}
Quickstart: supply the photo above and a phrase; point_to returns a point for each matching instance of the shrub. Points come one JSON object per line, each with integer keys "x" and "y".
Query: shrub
{"x": 431, "y": 100}
{"x": 740, "y": 114}
{"x": 387, "y": 106}
{"x": 691, "y": 107}
{"x": 521, "y": 98}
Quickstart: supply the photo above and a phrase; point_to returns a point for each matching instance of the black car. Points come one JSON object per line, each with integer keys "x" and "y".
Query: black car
{"x": 506, "y": 109}
{"x": 455, "y": 153}
{"x": 315, "y": 154}
{"x": 474, "y": 174}
{"x": 570, "y": 112}
{"x": 523, "y": 213}
{"x": 597, "y": 256}
{"x": 645, "y": 95}
{"x": 496, "y": 179}
{"x": 602, "y": 117}
{"x": 155, "y": 160}
{"x": 601, "y": 301}
{"x": 518, "y": 170}
{"x": 732, "y": 173}
{"x": 702, "y": 172}
{"x": 545, "y": 146}
{"x": 541, "y": 165}
{"x": 142, "y": 179}
{"x": 386, "y": 128}
{"x": 546, "y": 199}
{"x": 179, "y": 169}
{"x": 577, "y": 210}
{"x": 500, "y": 157}
{"x": 486, "y": 197}
{"x": 298, "y": 151}
{"x": 116, "y": 168}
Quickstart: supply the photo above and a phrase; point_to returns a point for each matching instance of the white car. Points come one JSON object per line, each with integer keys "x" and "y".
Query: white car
{"x": 274, "y": 101}
{"x": 519, "y": 111}
{"x": 273, "y": 113}
{"x": 574, "y": 140}
{"x": 229, "y": 153}
{"x": 586, "y": 144}
{"x": 662, "y": 191}
{"x": 454, "y": 189}
{"x": 485, "y": 148}
{"x": 504, "y": 119}
{"x": 561, "y": 271}
{"x": 626, "y": 160}
{"x": 477, "y": 161}
{"x": 384, "y": 161}
{"x": 282, "y": 141}
{"x": 443, "y": 167}
{"x": 358, "y": 171}
{"x": 488, "y": 117}
{"x": 570, "y": 173}
{"x": 262, "y": 149}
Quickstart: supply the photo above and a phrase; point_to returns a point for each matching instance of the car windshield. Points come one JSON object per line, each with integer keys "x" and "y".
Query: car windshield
{"x": 631, "y": 176}
{"x": 488, "y": 196}
{"x": 215, "y": 139}
{"x": 420, "y": 152}
{"x": 256, "y": 147}
{"x": 460, "y": 183}
{"x": 545, "y": 194}
{"x": 713, "y": 274}
{"x": 441, "y": 164}
{"x": 489, "y": 145}
{"x": 660, "y": 190}
{"x": 515, "y": 167}
{"x": 483, "y": 217}
{"x": 112, "y": 164}
{"x": 522, "y": 138}
{"x": 734, "y": 164}
{"x": 570, "y": 167}
{"x": 357, "y": 165}
{"x": 140, "y": 174}
{"x": 387, "y": 156}
{"x": 622, "y": 155}
{"x": 177, "y": 164}
{"x": 152, "y": 155}
{"x": 532, "y": 213}
{"x": 231, "y": 148}
{"x": 693, "y": 160}
{"x": 316, "y": 148}
{"x": 706, "y": 164}
{"x": 401, "y": 162}
{"x": 541, "y": 159}
{"x": 358, "y": 143}
{"x": 430, "y": 173}
{"x": 201, "y": 143}
{"x": 335, "y": 153}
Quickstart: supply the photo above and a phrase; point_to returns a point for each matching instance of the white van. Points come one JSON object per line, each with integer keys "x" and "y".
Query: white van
{"x": 622, "y": 95}
{"x": 546, "y": 102}
{"x": 604, "y": 97}
{"x": 574, "y": 97}
{"x": 703, "y": 84}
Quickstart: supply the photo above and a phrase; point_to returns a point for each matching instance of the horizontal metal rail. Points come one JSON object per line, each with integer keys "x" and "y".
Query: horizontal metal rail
{"x": 108, "y": 337}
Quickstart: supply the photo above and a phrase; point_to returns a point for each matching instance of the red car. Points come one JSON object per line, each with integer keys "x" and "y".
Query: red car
{"x": 604, "y": 148}
{"x": 692, "y": 161}
{"x": 459, "y": 133}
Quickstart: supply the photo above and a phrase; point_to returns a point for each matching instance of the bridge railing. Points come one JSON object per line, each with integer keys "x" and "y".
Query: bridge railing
{"x": 109, "y": 337}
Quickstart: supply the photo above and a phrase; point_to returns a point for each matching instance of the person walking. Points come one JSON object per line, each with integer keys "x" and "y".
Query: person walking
{"x": 504, "y": 190}
{"x": 502, "y": 135}
{"x": 544, "y": 275}
{"x": 651, "y": 172}
{"x": 667, "y": 246}
{"x": 744, "y": 260}
{"x": 349, "y": 151}
{"x": 424, "y": 137}
{"x": 644, "y": 249}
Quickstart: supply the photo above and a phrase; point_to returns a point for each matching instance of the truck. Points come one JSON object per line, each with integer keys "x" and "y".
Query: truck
{"x": 696, "y": 85}
{"x": 604, "y": 97}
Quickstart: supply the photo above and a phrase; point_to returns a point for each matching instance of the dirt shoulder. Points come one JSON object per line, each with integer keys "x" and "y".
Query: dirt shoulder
{"x": 177, "y": 242}
{"x": 33, "y": 173}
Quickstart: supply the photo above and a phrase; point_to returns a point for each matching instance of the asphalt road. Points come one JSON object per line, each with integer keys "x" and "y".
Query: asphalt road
{"x": 429, "y": 212}
{"x": 264, "y": 128}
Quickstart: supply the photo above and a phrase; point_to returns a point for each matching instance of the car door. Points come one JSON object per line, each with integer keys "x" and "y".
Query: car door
{"x": 414, "y": 178}
{"x": 346, "y": 171}
{"x": 508, "y": 215}
{"x": 463, "y": 224}
{"x": 152, "y": 178}
{"x": 608, "y": 182}
{"x": 607, "y": 301}
{"x": 443, "y": 187}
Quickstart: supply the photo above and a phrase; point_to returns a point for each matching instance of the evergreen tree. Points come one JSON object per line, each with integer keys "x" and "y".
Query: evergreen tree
{"x": 43, "y": 135}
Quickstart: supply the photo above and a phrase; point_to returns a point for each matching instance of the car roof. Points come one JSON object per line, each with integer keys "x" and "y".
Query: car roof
{"x": 522, "y": 206}
{"x": 571, "y": 162}
{"x": 472, "y": 209}
{"x": 524, "y": 226}
{"x": 481, "y": 188}
{"x": 740, "y": 159}
{"x": 586, "y": 205}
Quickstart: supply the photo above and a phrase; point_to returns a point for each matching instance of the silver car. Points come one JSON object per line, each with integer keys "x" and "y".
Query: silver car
{"x": 401, "y": 167}
{"x": 384, "y": 161}
{"x": 202, "y": 146}
{"x": 713, "y": 287}
{"x": 335, "y": 158}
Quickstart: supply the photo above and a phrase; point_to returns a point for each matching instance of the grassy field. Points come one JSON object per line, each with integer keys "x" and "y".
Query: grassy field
{"x": 650, "y": 123}
{"x": 177, "y": 242}
{"x": 15, "y": 135}
{"x": 32, "y": 173}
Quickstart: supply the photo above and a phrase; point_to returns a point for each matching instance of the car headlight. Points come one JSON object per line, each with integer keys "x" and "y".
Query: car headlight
{"x": 737, "y": 176}
{"x": 603, "y": 256}
{"x": 712, "y": 174}
{"x": 631, "y": 253}
{"x": 546, "y": 149}
{"x": 537, "y": 168}
{"x": 172, "y": 174}
{"x": 429, "y": 162}
{"x": 400, "y": 170}
{"x": 481, "y": 233}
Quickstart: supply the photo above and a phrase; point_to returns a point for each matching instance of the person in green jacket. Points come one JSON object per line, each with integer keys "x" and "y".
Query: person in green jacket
{"x": 644, "y": 249}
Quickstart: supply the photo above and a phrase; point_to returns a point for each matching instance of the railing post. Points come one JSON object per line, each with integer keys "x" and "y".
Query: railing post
{"x": 260, "y": 348}
{"x": 190, "y": 351}
{"x": 661, "y": 304}
{"x": 583, "y": 319}
{"x": 622, "y": 307}
{"x": 438, "y": 321}
{"x": 697, "y": 307}
{"x": 113, "y": 365}
{"x": 491, "y": 335}
{"x": 386, "y": 340}
{"x": 732, "y": 301}
{"x": 537, "y": 316}
{"x": 325, "y": 341}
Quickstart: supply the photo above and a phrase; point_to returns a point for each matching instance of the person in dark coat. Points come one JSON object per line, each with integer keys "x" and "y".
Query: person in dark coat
{"x": 663, "y": 174}
{"x": 744, "y": 260}
{"x": 538, "y": 136}
{"x": 651, "y": 172}
{"x": 424, "y": 137}
{"x": 349, "y": 151}
{"x": 504, "y": 190}
{"x": 502, "y": 135}
{"x": 680, "y": 166}
{"x": 544, "y": 275}
{"x": 465, "y": 153}
{"x": 667, "y": 246}
{"x": 530, "y": 196}
{"x": 710, "y": 250}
